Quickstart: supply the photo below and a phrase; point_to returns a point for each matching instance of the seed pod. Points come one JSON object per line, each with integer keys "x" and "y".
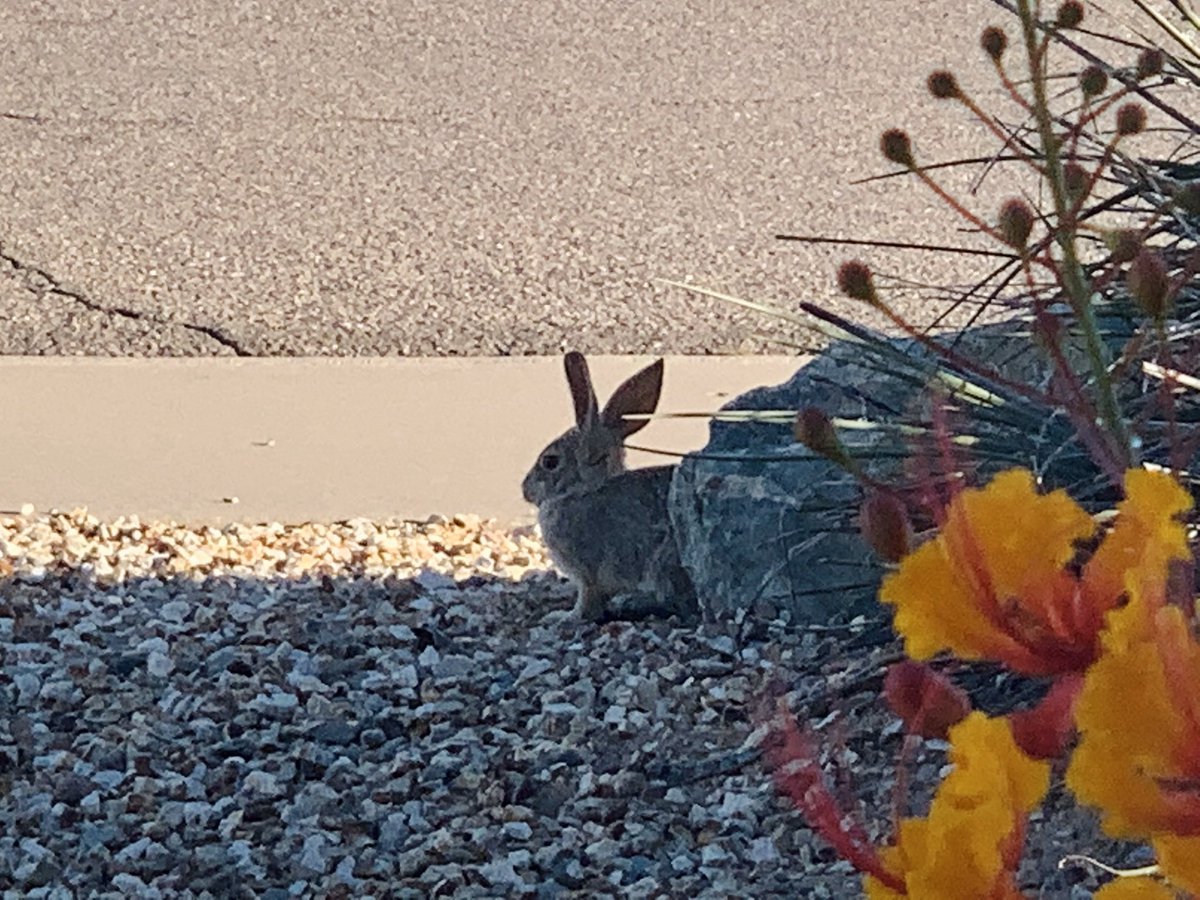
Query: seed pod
{"x": 1131, "y": 119}
{"x": 1148, "y": 283}
{"x": 1016, "y": 223}
{"x": 855, "y": 281}
{"x": 897, "y": 147}
{"x": 994, "y": 42}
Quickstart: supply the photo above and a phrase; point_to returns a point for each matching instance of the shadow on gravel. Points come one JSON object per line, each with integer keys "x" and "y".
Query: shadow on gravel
{"x": 362, "y": 737}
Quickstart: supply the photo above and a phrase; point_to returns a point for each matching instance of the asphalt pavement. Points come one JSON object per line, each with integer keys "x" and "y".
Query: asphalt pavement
{"x": 461, "y": 178}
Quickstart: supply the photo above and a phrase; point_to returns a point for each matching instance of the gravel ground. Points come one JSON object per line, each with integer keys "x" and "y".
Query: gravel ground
{"x": 396, "y": 709}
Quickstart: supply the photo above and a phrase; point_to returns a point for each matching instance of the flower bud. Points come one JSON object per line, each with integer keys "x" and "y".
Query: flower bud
{"x": 855, "y": 281}
{"x": 1148, "y": 283}
{"x": 926, "y": 701}
{"x": 1044, "y": 732}
{"x": 1123, "y": 244}
{"x": 897, "y": 147}
{"x": 1075, "y": 180}
{"x": 1047, "y": 330}
{"x": 1016, "y": 223}
{"x": 943, "y": 85}
{"x": 1131, "y": 119}
{"x": 883, "y": 521}
{"x": 993, "y": 41}
{"x": 1149, "y": 62}
{"x": 814, "y": 429}
{"x": 1070, "y": 15}
{"x": 1093, "y": 81}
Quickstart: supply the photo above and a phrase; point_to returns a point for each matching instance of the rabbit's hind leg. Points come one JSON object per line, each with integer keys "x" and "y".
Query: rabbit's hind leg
{"x": 592, "y": 605}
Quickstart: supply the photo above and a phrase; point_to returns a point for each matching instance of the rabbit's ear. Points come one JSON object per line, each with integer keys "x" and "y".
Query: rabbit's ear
{"x": 637, "y": 394}
{"x": 583, "y": 395}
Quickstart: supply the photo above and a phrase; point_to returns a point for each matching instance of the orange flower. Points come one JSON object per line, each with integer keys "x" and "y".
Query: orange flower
{"x": 1138, "y": 759}
{"x": 994, "y": 583}
{"x": 970, "y": 843}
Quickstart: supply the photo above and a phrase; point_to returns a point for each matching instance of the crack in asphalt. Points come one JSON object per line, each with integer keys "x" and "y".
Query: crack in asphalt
{"x": 56, "y": 287}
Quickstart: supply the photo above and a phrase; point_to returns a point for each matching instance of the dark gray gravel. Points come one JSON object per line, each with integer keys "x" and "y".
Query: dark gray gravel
{"x": 408, "y": 710}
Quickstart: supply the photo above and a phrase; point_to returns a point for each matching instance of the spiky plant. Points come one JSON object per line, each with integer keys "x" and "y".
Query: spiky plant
{"x": 1097, "y": 368}
{"x": 1110, "y": 308}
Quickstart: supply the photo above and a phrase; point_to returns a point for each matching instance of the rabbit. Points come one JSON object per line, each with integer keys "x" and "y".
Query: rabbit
{"x": 607, "y": 527}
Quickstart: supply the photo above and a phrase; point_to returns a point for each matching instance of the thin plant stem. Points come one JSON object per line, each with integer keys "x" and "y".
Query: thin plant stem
{"x": 1008, "y": 83}
{"x": 1074, "y": 281}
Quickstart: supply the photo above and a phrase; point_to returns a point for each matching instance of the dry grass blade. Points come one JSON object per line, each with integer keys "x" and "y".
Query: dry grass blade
{"x": 899, "y": 245}
{"x": 1187, "y": 12}
{"x": 1176, "y": 35}
{"x": 766, "y": 308}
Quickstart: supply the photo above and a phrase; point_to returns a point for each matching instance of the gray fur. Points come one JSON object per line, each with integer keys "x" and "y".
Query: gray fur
{"x": 607, "y": 528}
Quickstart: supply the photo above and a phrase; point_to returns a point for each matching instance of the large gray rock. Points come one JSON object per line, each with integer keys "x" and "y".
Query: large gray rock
{"x": 764, "y": 525}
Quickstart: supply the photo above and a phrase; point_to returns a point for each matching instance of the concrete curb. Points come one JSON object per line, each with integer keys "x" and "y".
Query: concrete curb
{"x": 314, "y": 439}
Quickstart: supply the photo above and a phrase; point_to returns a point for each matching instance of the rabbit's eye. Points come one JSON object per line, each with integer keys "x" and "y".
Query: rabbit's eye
{"x": 550, "y": 461}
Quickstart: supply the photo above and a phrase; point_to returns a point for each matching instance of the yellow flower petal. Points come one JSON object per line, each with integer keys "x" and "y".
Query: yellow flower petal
{"x": 968, "y": 845}
{"x": 1146, "y": 537}
{"x": 993, "y": 583}
{"x": 1139, "y": 714}
{"x": 1134, "y": 889}
{"x": 1179, "y": 860}
{"x": 894, "y": 861}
